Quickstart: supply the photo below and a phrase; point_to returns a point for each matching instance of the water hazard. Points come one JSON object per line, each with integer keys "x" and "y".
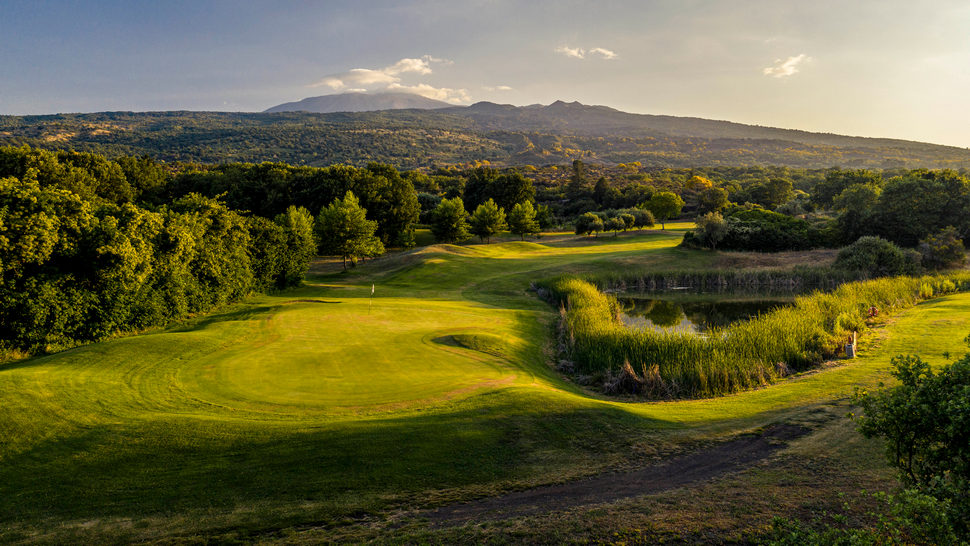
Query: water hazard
{"x": 696, "y": 315}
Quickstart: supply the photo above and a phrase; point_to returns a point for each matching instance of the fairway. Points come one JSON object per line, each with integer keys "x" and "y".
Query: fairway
{"x": 311, "y": 405}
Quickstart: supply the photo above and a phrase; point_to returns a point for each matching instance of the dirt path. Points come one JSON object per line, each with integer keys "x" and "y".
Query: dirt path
{"x": 676, "y": 472}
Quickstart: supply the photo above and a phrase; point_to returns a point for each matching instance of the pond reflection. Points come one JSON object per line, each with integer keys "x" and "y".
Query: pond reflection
{"x": 692, "y": 316}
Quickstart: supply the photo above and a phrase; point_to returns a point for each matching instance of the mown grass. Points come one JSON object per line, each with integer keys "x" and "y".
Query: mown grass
{"x": 312, "y": 412}
{"x": 744, "y": 355}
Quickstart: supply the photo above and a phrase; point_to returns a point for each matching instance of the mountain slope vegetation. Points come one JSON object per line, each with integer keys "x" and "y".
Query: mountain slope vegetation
{"x": 502, "y": 134}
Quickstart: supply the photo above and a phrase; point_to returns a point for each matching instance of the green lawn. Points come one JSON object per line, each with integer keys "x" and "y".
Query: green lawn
{"x": 317, "y": 406}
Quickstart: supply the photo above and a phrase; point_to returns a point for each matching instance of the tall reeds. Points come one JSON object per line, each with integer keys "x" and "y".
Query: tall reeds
{"x": 741, "y": 356}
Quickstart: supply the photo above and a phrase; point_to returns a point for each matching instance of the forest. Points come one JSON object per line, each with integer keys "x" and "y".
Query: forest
{"x": 504, "y": 135}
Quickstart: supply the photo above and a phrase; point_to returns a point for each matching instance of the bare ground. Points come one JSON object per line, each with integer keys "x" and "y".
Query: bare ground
{"x": 680, "y": 471}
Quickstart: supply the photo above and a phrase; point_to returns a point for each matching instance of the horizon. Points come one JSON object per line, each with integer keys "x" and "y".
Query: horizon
{"x": 824, "y": 68}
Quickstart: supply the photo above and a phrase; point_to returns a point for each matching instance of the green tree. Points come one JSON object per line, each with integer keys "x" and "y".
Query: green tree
{"x": 300, "y": 245}
{"x": 343, "y": 230}
{"x": 522, "y": 220}
{"x": 449, "y": 221}
{"x": 712, "y": 199}
{"x": 925, "y": 421}
{"x": 578, "y": 186}
{"x": 614, "y": 224}
{"x": 601, "y": 191}
{"x": 642, "y": 218}
{"x": 711, "y": 229}
{"x": 664, "y": 206}
{"x": 487, "y": 220}
{"x": 629, "y": 220}
{"x": 588, "y": 223}
{"x": 943, "y": 249}
{"x": 544, "y": 217}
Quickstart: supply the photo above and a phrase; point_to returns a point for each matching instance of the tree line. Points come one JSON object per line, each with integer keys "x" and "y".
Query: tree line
{"x": 80, "y": 260}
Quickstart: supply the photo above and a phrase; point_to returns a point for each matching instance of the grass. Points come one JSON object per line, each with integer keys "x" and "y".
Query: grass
{"x": 311, "y": 415}
{"x": 740, "y": 356}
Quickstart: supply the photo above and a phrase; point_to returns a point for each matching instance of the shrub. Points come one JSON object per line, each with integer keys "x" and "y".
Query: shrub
{"x": 925, "y": 421}
{"x": 877, "y": 257}
{"x": 943, "y": 250}
{"x": 588, "y": 223}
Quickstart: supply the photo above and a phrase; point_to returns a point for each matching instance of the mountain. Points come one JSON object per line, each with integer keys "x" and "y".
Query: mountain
{"x": 500, "y": 133}
{"x": 360, "y": 102}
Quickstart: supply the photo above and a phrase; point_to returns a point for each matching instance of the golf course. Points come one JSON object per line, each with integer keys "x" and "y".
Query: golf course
{"x": 351, "y": 406}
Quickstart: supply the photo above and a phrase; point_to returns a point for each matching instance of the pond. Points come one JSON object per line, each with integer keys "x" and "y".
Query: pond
{"x": 695, "y": 315}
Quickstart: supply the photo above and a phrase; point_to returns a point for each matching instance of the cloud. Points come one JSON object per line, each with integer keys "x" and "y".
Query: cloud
{"x": 389, "y": 78}
{"x": 446, "y": 94}
{"x": 789, "y": 66}
{"x": 497, "y": 88}
{"x": 605, "y": 53}
{"x": 574, "y": 52}
{"x": 580, "y": 53}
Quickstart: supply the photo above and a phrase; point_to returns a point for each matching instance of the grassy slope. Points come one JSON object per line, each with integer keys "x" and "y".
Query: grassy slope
{"x": 312, "y": 408}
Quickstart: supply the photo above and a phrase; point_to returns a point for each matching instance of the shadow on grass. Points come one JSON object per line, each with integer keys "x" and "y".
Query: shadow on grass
{"x": 314, "y": 472}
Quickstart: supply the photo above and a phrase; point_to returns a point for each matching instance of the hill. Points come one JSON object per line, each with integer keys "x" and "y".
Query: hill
{"x": 360, "y": 102}
{"x": 502, "y": 134}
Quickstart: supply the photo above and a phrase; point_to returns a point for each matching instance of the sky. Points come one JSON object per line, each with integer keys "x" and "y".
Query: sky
{"x": 888, "y": 68}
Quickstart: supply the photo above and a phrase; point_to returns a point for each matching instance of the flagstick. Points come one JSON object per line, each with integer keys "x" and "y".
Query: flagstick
{"x": 371, "y": 304}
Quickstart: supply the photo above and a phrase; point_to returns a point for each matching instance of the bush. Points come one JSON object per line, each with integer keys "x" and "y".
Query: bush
{"x": 926, "y": 423}
{"x": 943, "y": 250}
{"x": 588, "y": 223}
{"x": 764, "y": 231}
{"x": 878, "y": 257}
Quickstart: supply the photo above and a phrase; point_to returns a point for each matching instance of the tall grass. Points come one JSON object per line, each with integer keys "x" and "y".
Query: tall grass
{"x": 741, "y": 356}
{"x": 799, "y": 279}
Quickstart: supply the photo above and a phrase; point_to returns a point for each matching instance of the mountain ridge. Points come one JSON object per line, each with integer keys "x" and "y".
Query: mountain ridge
{"x": 359, "y": 102}
{"x": 502, "y": 134}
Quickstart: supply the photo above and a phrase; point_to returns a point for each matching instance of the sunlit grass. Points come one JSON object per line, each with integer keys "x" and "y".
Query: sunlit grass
{"x": 306, "y": 407}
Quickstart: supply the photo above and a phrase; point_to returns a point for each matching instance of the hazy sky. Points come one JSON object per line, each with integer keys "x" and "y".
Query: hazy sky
{"x": 894, "y": 68}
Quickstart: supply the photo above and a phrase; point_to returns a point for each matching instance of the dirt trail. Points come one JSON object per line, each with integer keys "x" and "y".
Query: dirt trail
{"x": 676, "y": 472}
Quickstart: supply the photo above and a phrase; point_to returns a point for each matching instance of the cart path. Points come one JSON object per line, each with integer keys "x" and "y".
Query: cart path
{"x": 679, "y": 471}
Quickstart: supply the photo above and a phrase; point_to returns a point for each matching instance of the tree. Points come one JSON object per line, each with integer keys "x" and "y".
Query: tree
{"x": 642, "y": 218}
{"x": 943, "y": 249}
{"x": 449, "y": 221}
{"x": 300, "y": 245}
{"x": 925, "y": 421}
{"x": 664, "y": 206}
{"x": 578, "y": 186}
{"x": 588, "y": 223}
{"x": 544, "y": 217}
{"x": 522, "y": 220}
{"x": 712, "y": 199}
{"x": 614, "y": 224}
{"x": 711, "y": 229}
{"x": 487, "y": 220}
{"x": 343, "y": 230}
{"x": 601, "y": 190}
{"x": 507, "y": 189}
{"x": 629, "y": 221}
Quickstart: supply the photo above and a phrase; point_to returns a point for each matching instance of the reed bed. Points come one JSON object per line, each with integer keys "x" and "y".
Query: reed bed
{"x": 799, "y": 279}
{"x": 741, "y": 356}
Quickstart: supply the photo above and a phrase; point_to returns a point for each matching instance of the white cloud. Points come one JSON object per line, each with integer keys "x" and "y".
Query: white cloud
{"x": 439, "y": 93}
{"x": 605, "y": 53}
{"x": 574, "y": 52}
{"x": 789, "y": 66}
{"x": 371, "y": 79}
{"x": 497, "y": 88}
{"x": 580, "y": 53}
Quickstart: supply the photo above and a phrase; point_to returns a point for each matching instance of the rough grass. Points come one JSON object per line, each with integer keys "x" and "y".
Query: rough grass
{"x": 309, "y": 413}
